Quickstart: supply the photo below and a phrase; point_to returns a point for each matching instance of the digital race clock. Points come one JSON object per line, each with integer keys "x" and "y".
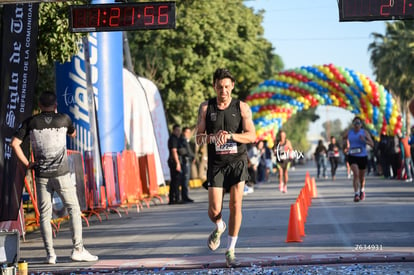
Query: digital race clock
{"x": 122, "y": 16}
{"x": 370, "y": 10}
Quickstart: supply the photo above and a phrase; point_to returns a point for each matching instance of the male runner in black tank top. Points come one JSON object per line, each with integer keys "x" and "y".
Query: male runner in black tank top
{"x": 226, "y": 125}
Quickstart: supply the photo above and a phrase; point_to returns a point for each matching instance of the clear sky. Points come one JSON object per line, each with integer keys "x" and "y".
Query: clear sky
{"x": 308, "y": 32}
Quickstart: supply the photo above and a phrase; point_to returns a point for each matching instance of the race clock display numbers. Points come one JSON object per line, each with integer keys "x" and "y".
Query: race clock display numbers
{"x": 370, "y": 10}
{"x": 122, "y": 16}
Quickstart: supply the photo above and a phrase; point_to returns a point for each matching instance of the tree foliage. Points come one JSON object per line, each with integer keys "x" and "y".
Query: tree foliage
{"x": 331, "y": 128}
{"x": 297, "y": 127}
{"x": 55, "y": 42}
{"x": 208, "y": 35}
{"x": 392, "y": 56}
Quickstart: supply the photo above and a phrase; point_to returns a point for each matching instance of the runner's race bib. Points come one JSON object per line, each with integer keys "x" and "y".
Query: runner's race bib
{"x": 354, "y": 151}
{"x": 227, "y": 148}
{"x": 332, "y": 154}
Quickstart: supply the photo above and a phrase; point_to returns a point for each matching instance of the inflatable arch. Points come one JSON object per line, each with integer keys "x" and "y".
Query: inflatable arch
{"x": 273, "y": 102}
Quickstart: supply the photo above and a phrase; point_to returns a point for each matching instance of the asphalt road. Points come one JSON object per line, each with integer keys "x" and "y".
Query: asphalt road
{"x": 340, "y": 235}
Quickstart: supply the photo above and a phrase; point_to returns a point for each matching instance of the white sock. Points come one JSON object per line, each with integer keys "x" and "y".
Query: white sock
{"x": 220, "y": 225}
{"x": 357, "y": 193}
{"x": 362, "y": 189}
{"x": 231, "y": 242}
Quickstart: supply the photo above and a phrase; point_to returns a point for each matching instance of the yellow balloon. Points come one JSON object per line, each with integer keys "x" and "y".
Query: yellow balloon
{"x": 370, "y": 111}
{"x": 270, "y": 143}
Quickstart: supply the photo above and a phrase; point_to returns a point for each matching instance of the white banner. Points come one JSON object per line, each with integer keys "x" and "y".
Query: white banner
{"x": 146, "y": 130}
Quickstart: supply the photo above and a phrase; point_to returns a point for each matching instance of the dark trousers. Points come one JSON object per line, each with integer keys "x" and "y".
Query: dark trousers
{"x": 395, "y": 164}
{"x": 186, "y": 172}
{"x": 385, "y": 161}
{"x": 261, "y": 173}
{"x": 334, "y": 165}
{"x": 320, "y": 163}
{"x": 252, "y": 175}
{"x": 174, "y": 195}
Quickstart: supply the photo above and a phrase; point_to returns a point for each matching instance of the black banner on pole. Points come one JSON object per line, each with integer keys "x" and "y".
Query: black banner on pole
{"x": 17, "y": 85}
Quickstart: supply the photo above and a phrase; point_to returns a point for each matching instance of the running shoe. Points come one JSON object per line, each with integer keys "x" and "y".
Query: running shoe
{"x": 83, "y": 255}
{"x": 362, "y": 196}
{"x": 231, "y": 260}
{"x": 285, "y": 189}
{"x": 248, "y": 190}
{"x": 356, "y": 198}
{"x": 214, "y": 239}
{"x": 51, "y": 259}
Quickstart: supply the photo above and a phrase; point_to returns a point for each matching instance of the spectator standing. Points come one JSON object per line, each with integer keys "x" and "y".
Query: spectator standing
{"x": 47, "y": 132}
{"x": 269, "y": 161}
{"x": 396, "y": 159}
{"x": 253, "y": 163}
{"x": 186, "y": 158}
{"x": 174, "y": 164}
{"x": 406, "y": 155}
{"x": 411, "y": 143}
{"x": 385, "y": 148}
{"x": 261, "y": 169}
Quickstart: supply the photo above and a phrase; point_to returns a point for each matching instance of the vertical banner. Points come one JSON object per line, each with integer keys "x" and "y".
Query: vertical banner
{"x": 105, "y": 64}
{"x": 106, "y": 61}
{"x": 18, "y": 76}
{"x": 71, "y": 90}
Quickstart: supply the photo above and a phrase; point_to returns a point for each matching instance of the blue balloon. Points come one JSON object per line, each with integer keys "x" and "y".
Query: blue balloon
{"x": 255, "y": 109}
{"x": 375, "y": 113}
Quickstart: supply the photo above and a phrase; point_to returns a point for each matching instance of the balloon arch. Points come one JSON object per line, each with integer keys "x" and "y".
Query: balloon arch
{"x": 273, "y": 102}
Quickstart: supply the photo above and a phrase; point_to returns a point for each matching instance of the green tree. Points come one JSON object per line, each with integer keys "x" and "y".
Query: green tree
{"x": 331, "y": 128}
{"x": 55, "y": 42}
{"x": 392, "y": 56}
{"x": 296, "y": 126}
{"x": 208, "y": 35}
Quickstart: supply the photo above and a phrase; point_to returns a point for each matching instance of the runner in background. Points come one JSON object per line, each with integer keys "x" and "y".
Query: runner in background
{"x": 333, "y": 155}
{"x": 358, "y": 139}
{"x": 282, "y": 150}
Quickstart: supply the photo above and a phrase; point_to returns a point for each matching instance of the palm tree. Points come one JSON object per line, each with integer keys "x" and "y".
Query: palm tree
{"x": 392, "y": 56}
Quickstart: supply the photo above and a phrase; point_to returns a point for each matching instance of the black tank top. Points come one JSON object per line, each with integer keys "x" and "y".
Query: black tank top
{"x": 229, "y": 120}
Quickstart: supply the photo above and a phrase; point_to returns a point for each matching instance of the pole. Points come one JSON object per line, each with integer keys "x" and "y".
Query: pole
{"x": 127, "y": 52}
{"x": 98, "y": 173}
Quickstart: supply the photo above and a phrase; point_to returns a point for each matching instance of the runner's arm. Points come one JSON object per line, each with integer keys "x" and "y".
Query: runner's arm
{"x": 249, "y": 132}
{"x": 201, "y": 137}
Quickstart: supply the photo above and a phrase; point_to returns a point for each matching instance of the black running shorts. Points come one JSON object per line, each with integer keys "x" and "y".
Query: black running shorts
{"x": 227, "y": 176}
{"x": 360, "y": 161}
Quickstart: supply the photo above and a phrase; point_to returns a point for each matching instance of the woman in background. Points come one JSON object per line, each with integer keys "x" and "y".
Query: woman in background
{"x": 333, "y": 155}
{"x": 357, "y": 140}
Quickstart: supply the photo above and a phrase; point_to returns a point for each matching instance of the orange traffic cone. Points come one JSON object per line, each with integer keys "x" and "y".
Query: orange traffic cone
{"x": 314, "y": 191}
{"x": 301, "y": 220}
{"x": 293, "y": 234}
{"x": 304, "y": 206}
{"x": 307, "y": 178}
{"x": 308, "y": 194}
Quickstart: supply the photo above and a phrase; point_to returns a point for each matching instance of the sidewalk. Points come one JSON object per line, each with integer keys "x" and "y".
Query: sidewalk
{"x": 173, "y": 237}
